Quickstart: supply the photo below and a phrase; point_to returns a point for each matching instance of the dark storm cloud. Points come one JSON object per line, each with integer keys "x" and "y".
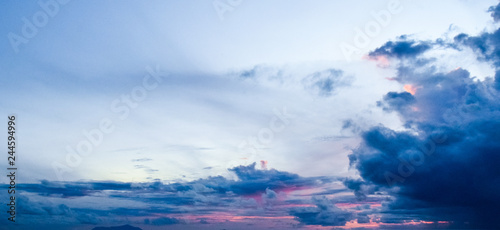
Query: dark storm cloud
{"x": 360, "y": 188}
{"x": 445, "y": 168}
{"x": 401, "y": 49}
{"x": 395, "y": 100}
{"x": 495, "y": 12}
{"x": 486, "y": 45}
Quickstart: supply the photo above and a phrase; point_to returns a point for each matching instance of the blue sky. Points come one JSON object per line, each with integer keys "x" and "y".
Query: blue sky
{"x": 238, "y": 113}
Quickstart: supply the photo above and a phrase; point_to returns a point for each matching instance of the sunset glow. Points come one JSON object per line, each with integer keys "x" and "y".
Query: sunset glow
{"x": 411, "y": 89}
{"x": 249, "y": 115}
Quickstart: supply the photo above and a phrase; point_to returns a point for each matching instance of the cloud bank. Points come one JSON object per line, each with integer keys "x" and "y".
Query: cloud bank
{"x": 444, "y": 166}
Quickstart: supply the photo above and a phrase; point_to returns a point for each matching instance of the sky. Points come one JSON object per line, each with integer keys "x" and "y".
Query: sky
{"x": 234, "y": 114}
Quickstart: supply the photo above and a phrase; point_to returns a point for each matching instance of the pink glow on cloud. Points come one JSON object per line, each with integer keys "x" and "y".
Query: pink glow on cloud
{"x": 348, "y": 225}
{"x": 239, "y": 218}
{"x": 263, "y": 164}
{"x": 412, "y": 222}
{"x": 355, "y": 224}
{"x": 222, "y": 217}
{"x": 318, "y": 227}
{"x": 347, "y": 205}
{"x": 411, "y": 89}
{"x": 381, "y": 60}
{"x": 291, "y": 189}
